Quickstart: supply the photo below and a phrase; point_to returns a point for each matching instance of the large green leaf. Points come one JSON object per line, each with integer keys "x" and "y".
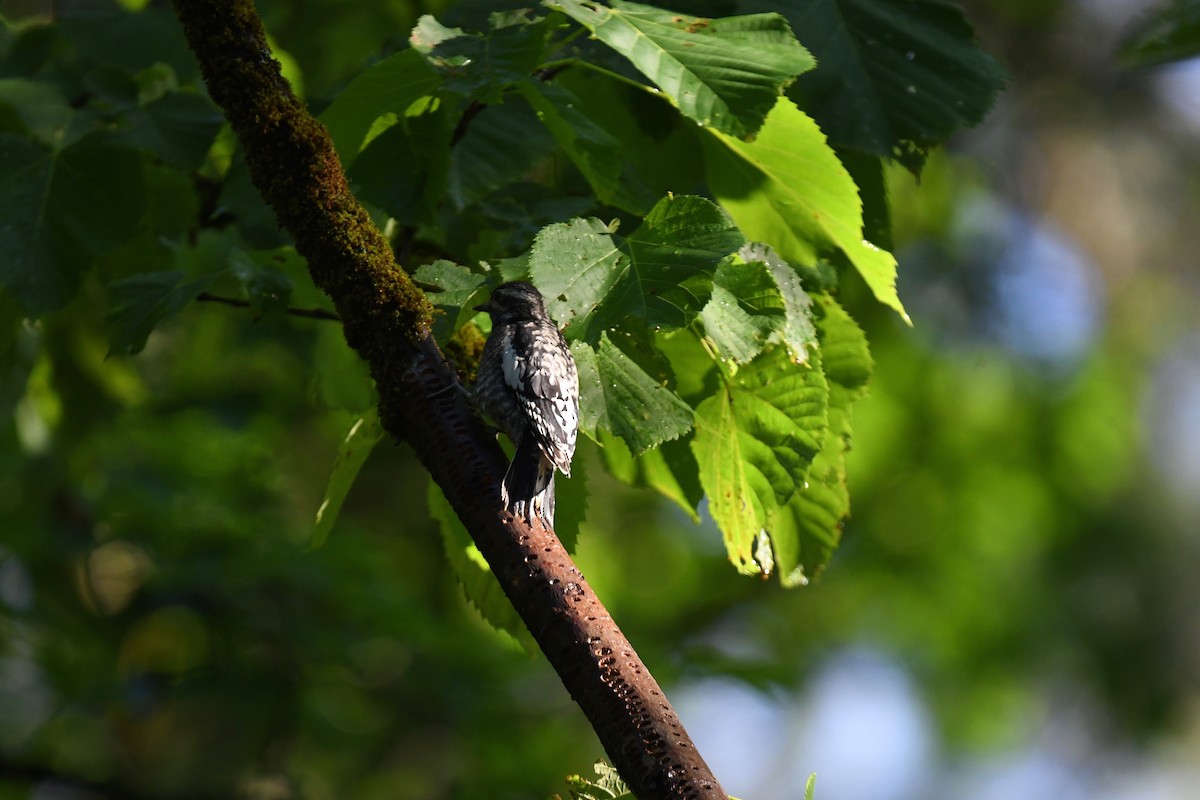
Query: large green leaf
{"x": 619, "y": 396}
{"x": 725, "y": 72}
{"x": 357, "y": 443}
{"x": 404, "y": 165}
{"x": 755, "y": 439}
{"x": 35, "y": 108}
{"x": 139, "y": 304}
{"x": 389, "y": 87}
{"x": 1169, "y": 34}
{"x": 757, "y": 300}
{"x": 805, "y": 531}
{"x": 788, "y": 189}
{"x": 61, "y": 209}
{"x": 179, "y": 126}
{"x": 591, "y": 148}
{"x": 660, "y": 275}
{"x": 503, "y": 143}
{"x": 896, "y": 77}
{"x": 659, "y": 149}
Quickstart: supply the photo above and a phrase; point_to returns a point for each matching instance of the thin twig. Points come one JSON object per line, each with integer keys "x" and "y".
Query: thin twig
{"x": 309, "y": 313}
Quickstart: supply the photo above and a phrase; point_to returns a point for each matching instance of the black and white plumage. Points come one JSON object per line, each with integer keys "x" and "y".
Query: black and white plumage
{"x": 527, "y": 384}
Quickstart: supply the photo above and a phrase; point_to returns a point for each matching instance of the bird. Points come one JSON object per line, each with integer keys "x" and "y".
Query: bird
{"x": 527, "y": 384}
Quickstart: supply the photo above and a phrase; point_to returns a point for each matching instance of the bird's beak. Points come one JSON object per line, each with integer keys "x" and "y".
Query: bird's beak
{"x": 484, "y": 307}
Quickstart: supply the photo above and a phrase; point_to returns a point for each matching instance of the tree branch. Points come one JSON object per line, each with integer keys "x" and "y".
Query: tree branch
{"x": 387, "y": 320}
{"x": 308, "y": 313}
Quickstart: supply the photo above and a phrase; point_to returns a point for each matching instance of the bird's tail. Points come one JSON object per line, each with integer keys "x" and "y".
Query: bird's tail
{"x": 528, "y": 488}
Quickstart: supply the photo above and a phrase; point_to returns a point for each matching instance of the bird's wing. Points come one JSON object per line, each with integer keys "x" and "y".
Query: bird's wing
{"x": 541, "y": 372}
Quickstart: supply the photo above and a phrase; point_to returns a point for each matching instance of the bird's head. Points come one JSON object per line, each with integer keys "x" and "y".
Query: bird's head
{"x": 514, "y": 301}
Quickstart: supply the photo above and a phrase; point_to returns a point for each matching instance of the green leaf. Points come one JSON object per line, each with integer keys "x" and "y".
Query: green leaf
{"x": 358, "y": 442}
{"x": 868, "y": 176}
{"x": 483, "y": 66}
{"x": 845, "y": 355}
{"x": 267, "y": 289}
{"x": 34, "y": 108}
{"x": 61, "y": 209}
{"x": 787, "y": 188}
{"x": 810, "y": 786}
{"x": 1165, "y": 35}
{"x": 461, "y": 288}
{"x": 661, "y": 275}
{"x": 593, "y": 150}
{"x": 403, "y": 167}
{"x": 390, "y": 86}
{"x": 725, "y": 73}
{"x": 607, "y": 786}
{"x": 659, "y": 150}
{"x": 896, "y": 77}
{"x": 617, "y": 395}
{"x": 757, "y": 300}
{"x": 341, "y": 377}
{"x": 476, "y": 578}
{"x": 806, "y": 531}
{"x": 19, "y": 350}
{"x": 179, "y": 126}
{"x": 139, "y": 304}
{"x": 503, "y": 143}
{"x": 571, "y": 502}
{"x": 669, "y": 469}
{"x": 754, "y": 440}
{"x": 457, "y": 283}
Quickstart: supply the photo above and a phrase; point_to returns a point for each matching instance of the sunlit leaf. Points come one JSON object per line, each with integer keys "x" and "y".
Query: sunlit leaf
{"x": 757, "y": 300}
{"x": 788, "y": 189}
{"x": 669, "y": 469}
{"x": 723, "y": 72}
{"x": 806, "y": 530}
{"x": 754, "y": 440}
{"x": 617, "y": 395}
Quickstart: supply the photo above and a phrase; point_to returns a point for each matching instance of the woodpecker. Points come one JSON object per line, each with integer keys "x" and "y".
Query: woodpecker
{"x": 527, "y": 384}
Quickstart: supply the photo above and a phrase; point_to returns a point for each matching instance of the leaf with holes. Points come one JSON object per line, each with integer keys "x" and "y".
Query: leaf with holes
{"x": 757, "y": 300}
{"x": 805, "y": 531}
{"x": 755, "y": 438}
{"x": 616, "y": 394}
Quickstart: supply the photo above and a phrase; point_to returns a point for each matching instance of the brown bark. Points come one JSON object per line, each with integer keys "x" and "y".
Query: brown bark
{"x": 386, "y": 319}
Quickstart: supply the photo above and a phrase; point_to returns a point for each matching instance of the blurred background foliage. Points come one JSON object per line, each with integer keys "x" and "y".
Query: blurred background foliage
{"x": 1022, "y": 552}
